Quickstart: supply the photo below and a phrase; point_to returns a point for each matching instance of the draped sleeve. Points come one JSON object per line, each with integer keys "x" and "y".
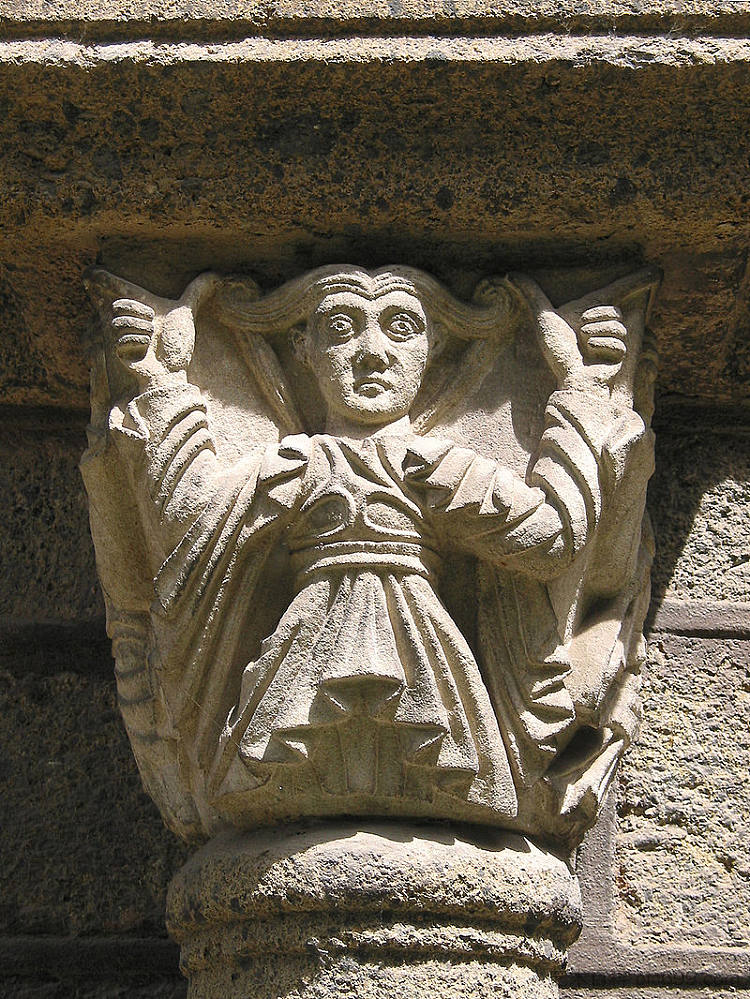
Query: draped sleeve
{"x": 537, "y": 525}
{"x": 165, "y": 434}
{"x": 205, "y": 528}
{"x": 196, "y": 508}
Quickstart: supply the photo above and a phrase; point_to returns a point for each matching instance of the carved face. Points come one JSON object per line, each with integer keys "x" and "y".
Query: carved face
{"x": 368, "y": 355}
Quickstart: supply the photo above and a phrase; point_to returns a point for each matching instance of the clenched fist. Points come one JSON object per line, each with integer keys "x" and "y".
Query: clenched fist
{"x": 587, "y": 345}
{"x": 156, "y": 349}
{"x": 155, "y": 337}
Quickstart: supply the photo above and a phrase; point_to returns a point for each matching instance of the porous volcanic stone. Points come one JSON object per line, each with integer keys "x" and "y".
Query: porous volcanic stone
{"x": 683, "y": 864}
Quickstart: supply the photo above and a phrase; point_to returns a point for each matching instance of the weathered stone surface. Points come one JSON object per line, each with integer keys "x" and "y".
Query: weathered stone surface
{"x": 44, "y": 531}
{"x": 699, "y": 501}
{"x": 379, "y": 432}
{"x": 564, "y": 149}
{"x": 83, "y": 850}
{"x": 288, "y": 478}
{"x": 23, "y": 988}
{"x": 377, "y": 910}
{"x": 497, "y": 153}
{"x": 729, "y": 16}
{"x": 683, "y": 864}
{"x": 654, "y": 992}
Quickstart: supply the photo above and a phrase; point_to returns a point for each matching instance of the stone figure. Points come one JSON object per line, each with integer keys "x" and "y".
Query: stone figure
{"x": 369, "y": 550}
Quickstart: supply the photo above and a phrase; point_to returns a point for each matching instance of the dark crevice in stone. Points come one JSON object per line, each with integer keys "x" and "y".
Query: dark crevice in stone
{"x": 674, "y": 413}
{"x": 43, "y": 420}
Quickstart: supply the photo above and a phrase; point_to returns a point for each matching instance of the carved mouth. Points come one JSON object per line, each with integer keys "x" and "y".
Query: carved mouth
{"x": 371, "y": 383}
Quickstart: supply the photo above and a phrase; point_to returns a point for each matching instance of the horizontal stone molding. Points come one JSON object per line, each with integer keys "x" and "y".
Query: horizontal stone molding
{"x": 725, "y": 17}
{"x": 702, "y": 618}
{"x": 629, "y": 53}
{"x": 598, "y": 958}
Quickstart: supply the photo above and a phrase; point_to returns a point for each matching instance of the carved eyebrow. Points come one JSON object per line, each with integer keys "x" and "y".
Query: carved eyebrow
{"x": 338, "y": 307}
{"x": 400, "y": 310}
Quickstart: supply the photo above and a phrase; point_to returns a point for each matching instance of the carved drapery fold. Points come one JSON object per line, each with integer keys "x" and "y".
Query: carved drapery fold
{"x": 295, "y": 653}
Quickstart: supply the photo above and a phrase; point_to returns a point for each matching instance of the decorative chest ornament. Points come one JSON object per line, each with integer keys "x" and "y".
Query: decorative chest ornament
{"x": 371, "y": 551}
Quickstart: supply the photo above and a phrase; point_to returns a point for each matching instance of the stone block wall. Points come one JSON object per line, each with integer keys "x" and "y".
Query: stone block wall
{"x": 164, "y": 138}
{"x": 676, "y": 908}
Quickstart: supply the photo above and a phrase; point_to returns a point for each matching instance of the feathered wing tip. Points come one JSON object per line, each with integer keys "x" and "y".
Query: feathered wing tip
{"x": 294, "y": 302}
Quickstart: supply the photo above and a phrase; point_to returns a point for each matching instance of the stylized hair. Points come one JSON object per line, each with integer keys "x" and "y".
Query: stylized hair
{"x": 294, "y": 302}
{"x": 256, "y": 318}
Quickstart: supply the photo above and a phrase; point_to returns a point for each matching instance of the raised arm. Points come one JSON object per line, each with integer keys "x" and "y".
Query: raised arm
{"x": 540, "y": 524}
{"x": 164, "y": 426}
{"x": 483, "y": 508}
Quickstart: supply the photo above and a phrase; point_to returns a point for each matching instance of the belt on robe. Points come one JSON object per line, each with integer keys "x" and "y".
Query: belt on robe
{"x": 377, "y": 556}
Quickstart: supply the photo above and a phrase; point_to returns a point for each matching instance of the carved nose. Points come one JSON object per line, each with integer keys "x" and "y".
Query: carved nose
{"x": 374, "y": 349}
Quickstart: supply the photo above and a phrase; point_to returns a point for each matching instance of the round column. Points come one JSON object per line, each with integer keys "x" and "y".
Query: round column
{"x": 373, "y": 911}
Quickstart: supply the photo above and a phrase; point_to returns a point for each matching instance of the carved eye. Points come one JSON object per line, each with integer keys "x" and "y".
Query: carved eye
{"x": 402, "y": 325}
{"x": 340, "y": 326}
